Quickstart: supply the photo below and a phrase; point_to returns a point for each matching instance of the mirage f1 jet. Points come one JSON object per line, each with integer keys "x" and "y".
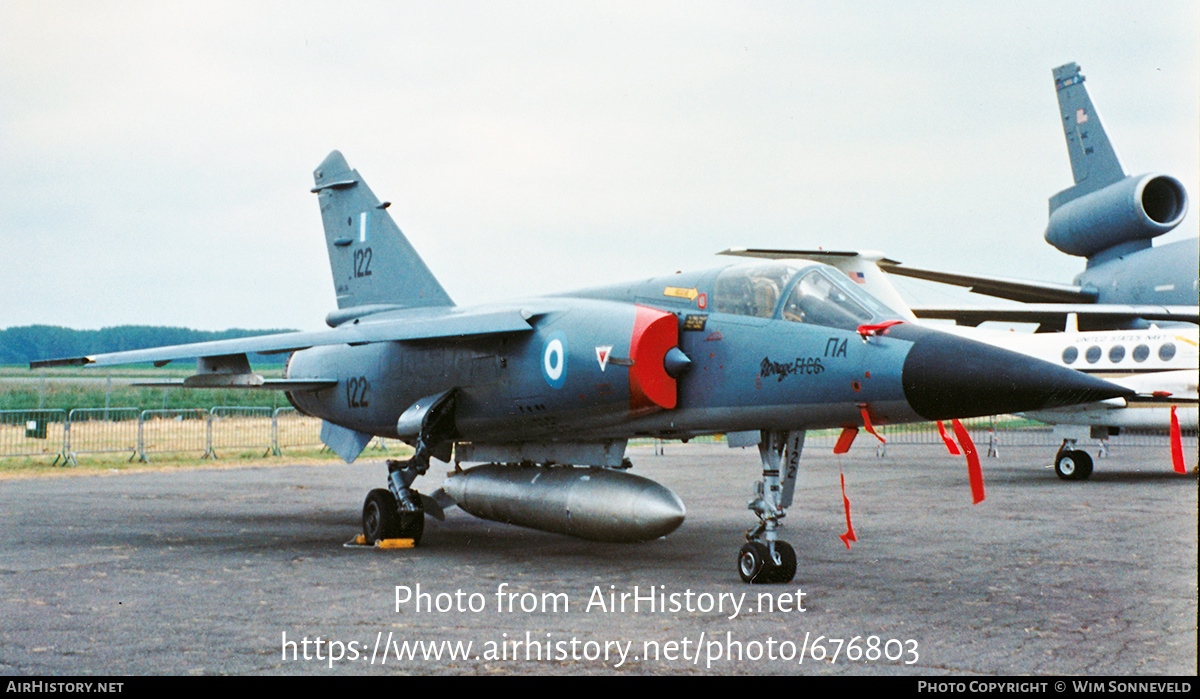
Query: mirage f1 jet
{"x": 761, "y": 351}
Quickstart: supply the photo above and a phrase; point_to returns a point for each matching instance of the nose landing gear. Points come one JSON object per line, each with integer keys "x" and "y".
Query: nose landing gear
{"x": 765, "y": 558}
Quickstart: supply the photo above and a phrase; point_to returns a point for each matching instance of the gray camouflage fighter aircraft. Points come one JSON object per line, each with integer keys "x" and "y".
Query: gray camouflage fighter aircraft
{"x": 1110, "y": 219}
{"x": 760, "y": 351}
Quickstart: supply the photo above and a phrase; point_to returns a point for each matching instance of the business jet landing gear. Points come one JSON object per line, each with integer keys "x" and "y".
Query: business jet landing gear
{"x": 1072, "y": 464}
{"x": 764, "y": 558}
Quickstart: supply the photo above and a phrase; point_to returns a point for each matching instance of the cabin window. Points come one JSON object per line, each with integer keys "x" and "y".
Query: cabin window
{"x": 1141, "y": 353}
{"x": 808, "y": 295}
{"x": 817, "y": 300}
{"x": 1167, "y": 352}
{"x": 1070, "y": 354}
{"x": 1093, "y": 354}
{"x": 751, "y": 290}
{"x": 1116, "y": 354}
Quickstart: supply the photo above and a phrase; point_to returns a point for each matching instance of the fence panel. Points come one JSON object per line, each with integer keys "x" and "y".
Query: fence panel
{"x": 57, "y": 433}
{"x": 241, "y": 428}
{"x": 294, "y": 429}
{"x": 174, "y": 431}
{"x": 388, "y": 445}
{"x": 101, "y": 430}
{"x": 33, "y": 433}
{"x": 1000, "y": 431}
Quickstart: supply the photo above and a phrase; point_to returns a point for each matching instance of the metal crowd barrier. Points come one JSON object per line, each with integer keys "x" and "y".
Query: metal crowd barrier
{"x": 208, "y": 433}
{"x": 101, "y": 430}
{"x": 291, "y": 429}
{"x": 242, "y": 428}
{"x": 34, "y": 433}
{"x": 163, "y": 431}
{"x": 143, "y": 433}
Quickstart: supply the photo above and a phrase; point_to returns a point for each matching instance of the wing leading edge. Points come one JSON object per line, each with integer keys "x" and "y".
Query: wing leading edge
{"x": 223, "y": 363}
{"x": 1001, "y": 287}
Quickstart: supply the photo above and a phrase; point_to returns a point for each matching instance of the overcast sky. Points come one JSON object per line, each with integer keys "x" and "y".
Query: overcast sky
{"x": 156, "y": 157}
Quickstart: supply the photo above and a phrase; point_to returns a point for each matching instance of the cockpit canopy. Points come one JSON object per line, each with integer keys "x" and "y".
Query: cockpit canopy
{"x": 810, "y": 294}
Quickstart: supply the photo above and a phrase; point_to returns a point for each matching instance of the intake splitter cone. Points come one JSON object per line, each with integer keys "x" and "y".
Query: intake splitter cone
{"x": 946, "y": 376}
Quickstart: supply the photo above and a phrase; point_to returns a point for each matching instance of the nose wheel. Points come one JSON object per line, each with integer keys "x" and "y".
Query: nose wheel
{"x": 757, "y": 564}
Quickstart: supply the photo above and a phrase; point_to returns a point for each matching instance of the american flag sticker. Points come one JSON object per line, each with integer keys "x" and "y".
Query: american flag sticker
{"x": 859, "y": 277}
{"x": 1080, "y": 116}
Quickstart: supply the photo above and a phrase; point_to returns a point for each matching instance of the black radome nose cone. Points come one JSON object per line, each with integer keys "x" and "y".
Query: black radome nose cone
{"x": 946, "y": 376}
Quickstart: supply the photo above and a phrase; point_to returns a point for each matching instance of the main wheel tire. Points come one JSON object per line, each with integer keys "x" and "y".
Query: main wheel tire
{"x": 785, "y": 570}
{"x": 751, "y": 561}
{"x": 1083, "y": 465}
{"x": 380, "y": 519}
{"x": 1073, "y": 465}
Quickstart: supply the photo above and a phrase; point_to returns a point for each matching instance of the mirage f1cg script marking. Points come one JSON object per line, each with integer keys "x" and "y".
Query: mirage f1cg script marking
{"x": 566, "y": 380}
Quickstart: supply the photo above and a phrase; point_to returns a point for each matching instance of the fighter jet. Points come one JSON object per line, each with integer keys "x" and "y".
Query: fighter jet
{"x": 1158, "y": 364}
{"x": 1109, "y": 218}
{"x": 546, "y": 392}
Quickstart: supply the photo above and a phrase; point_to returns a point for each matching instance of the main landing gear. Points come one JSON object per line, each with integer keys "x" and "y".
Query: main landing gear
{"x": 396, "y": 512}
{"x": 1072, "y": 464}
{"x": 765, "y": 558}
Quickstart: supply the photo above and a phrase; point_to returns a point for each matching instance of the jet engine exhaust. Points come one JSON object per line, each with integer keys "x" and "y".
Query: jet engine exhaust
{"x": 588, "y": 503}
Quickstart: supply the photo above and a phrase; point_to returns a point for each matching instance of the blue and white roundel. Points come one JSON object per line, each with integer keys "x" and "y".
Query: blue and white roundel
{"x": 554, "y": 360}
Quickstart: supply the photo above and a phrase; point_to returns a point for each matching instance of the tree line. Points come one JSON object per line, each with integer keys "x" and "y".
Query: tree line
{"x": 21, "y": 345}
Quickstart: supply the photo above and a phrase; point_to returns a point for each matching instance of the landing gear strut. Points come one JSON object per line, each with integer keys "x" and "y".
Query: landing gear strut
{"x": 398, "y": 512}
{"x": 765, "y": 558}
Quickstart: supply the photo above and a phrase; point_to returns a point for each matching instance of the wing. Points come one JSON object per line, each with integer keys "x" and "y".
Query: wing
{"x": 224, "y": 363}
{"x": 1055, "y": 314}
{"x": 1001, "y": 287}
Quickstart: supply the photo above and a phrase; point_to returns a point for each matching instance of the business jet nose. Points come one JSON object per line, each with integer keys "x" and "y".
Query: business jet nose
{"x": 946, "y": 376}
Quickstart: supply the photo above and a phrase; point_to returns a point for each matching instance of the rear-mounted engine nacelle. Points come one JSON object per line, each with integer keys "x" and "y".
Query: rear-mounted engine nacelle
{"x": 1136, "y": 208}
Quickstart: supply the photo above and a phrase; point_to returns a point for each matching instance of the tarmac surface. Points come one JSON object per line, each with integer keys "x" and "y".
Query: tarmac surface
{"x": 240, "y": 570}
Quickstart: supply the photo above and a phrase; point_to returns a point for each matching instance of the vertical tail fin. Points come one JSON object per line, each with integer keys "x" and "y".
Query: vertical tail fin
{"x": 1106, "y": 214}
{"x": 1094, "y": 161}
{"x": 373, "y": 263}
